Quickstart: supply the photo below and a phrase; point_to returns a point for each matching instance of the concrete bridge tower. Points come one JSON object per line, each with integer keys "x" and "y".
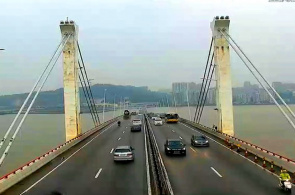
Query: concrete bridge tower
{"x": 223, "y": 75}
{"x": 70, "y": 79}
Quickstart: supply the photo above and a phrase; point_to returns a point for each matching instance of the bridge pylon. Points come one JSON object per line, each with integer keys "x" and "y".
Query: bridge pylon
{"x": 223, "y": 75}
{"x": 70, "y": 80}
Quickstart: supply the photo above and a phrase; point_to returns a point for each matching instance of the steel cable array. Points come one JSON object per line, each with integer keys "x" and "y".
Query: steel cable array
{"x": 5, "y": 153}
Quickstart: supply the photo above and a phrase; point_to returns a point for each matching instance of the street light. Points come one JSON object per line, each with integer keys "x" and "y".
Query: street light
{"x": 114, "y": 106}
{"x": 104, "y": 104}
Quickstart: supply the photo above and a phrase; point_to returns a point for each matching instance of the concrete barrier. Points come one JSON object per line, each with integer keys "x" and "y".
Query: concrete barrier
{"x": 22, "y": 172}
{"x": 269, "y": 156}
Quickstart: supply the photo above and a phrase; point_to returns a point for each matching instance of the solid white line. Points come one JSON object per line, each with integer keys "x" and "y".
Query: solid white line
{"x": 147, "y": 163}
{"x": 193, "y": 150}
{"x": 216, "y": 172}
{"x": 97, "y": 174}
{"x": 119, "y": 138}
{"x": 65, "y": 160}
{"x": 180, "y": 137}
{"x": 112, "y": 151}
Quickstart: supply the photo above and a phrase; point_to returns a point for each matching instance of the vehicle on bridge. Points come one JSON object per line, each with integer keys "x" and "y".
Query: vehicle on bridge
{"x": 174, "y": 146}
{"x": 199, "y": 140}
{"x": 135, "y": 128}
{"x": 172, "y": 118}
{"x": 158, "y": 121}
{"x": 124, "y": 153}
{"x": 136, "y": 122}
{"x": 126, "y": 114}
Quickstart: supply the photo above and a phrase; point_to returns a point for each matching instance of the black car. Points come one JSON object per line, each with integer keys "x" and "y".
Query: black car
{"x": 174, "y": 146}
{"x": 135, "y": 128}
{"x": 199, "y": 140}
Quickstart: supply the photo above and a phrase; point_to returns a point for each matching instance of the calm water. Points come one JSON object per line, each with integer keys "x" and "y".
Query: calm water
{"x": 261, "y": 125}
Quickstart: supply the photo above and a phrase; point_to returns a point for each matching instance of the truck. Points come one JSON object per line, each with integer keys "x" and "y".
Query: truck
{"x": 126, "y": 114}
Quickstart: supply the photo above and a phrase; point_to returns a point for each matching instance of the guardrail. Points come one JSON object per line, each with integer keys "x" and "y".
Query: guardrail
{"x": 269, "y": 160}
{"x": 27, "y": 169}
{"x": 159, "y": 174}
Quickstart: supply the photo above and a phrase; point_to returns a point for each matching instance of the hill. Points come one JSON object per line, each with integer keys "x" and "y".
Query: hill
{"x": 55, "y": 98}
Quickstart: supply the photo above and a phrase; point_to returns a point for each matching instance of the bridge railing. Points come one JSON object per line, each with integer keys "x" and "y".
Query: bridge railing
{"x": 273, "y": 159}
{"x": 27, "y": 169}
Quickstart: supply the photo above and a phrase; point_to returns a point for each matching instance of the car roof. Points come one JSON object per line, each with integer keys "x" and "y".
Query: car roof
{"x": 201, "y": 136}
{"x": 123, "y": 147}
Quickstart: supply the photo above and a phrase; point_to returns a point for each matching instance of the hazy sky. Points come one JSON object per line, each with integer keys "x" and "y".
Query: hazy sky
{"x": 143, "y": 42}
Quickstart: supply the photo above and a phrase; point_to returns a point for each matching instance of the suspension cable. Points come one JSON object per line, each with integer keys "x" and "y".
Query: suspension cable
{"x": 87, "y": 81}
{"x": 199, "y": 118}
{"x": 90, "y": 108}
{"x": 204, "y": 77}
{"x": 28, "y": 97}
{"x": 92, "y": 104}
{"x": 283, "y": 112}
{"x": 269, "y": 85}
{"x": 30, "y": 106}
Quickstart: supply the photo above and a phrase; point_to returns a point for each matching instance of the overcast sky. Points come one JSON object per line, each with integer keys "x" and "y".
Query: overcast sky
{"x": 143, "y": 42}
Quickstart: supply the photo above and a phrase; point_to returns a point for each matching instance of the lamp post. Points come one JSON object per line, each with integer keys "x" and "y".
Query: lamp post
{"x": 189, "y": 111}
{"x": 104, "y": 104}
{"x": 114, "y": 106}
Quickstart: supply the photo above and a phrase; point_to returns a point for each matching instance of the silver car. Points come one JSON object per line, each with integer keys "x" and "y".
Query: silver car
{"x": 124, "y": 153}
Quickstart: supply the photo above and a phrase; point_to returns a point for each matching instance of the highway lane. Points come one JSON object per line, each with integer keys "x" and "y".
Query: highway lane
{"x": 92, "y": 170}
{"x": 213, "y": 170}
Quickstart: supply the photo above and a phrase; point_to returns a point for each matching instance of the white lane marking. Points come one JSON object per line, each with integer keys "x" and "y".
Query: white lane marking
{"x": 232, "y": 151}
{"x": 180, "y": 137}
{"x": 97, "y": 174}
{"x": 216, "y": 172}
{"x": 119, "y": 138}
{"x": 66, "y": 160}
{"x": 147, "y": 163}
{"x": 193, "y": 150}
{"x": 112, "y": 151}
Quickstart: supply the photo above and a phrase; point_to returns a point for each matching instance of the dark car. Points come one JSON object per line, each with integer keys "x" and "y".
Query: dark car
{"x": 199, "y": 140}
{"x": 174, "y": 146}
{"x": 135, "y": 128}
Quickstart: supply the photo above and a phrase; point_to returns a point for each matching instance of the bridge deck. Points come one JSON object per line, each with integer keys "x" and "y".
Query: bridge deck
{"x": 213, "y": 170}
{"x": 77, "y": 174}
{"x": 193, "y": 174}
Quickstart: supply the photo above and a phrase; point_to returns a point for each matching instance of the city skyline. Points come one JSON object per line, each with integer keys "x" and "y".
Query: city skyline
{"x": 247, "y": 94}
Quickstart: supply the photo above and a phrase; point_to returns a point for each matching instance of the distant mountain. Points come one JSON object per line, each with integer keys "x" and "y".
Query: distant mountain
{"x": 55, "y": 98}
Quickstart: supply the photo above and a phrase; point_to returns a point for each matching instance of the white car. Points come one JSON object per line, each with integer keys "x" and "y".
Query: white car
{"x": 136, "y": 122}
{"x": 124, "y": 153}
{"x": 158, "y": 121}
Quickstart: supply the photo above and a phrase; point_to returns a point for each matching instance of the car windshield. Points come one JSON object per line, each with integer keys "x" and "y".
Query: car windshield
{"x": 175, "y": 143}
{"x": 158, "y": 119}
{"x": 200, "y": 138}
{"x": 122, "y": 150}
